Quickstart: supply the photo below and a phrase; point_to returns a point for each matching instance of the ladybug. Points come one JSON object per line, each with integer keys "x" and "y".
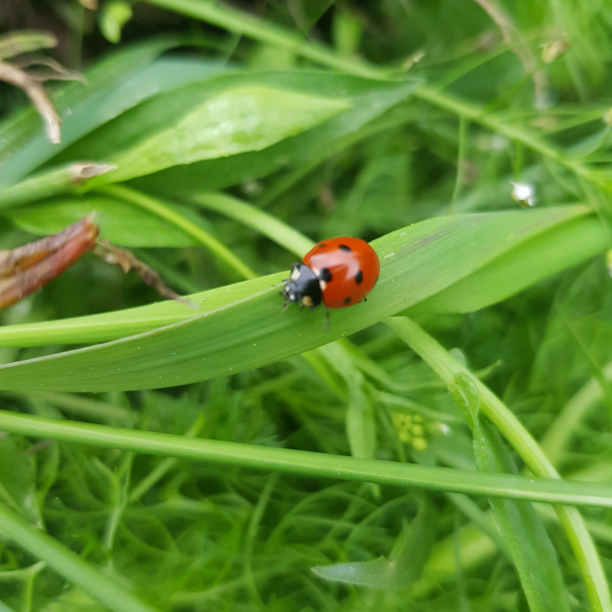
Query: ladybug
{"x": 339, "y": 272}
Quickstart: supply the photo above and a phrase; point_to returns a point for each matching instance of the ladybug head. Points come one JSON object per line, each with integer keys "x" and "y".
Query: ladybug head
{"x": 291, "y": 293}
{"x": 303, "y": 287}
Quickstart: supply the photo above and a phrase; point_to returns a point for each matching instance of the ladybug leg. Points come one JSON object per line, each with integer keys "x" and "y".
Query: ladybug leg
{"x": 285, "y": 306}
{"x": 326, "y": 323}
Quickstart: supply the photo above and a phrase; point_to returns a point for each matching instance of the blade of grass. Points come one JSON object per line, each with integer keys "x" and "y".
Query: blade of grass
{"x": 66, "y": 563}
{"x": 567, "y": 422}
{"x": 244, "y": 24}
{"x": 307, "y": 463}
{"x": 532, "y": 551}
{"x": 239, "y": 329}
{"x": 269, "y": 226}
{"x": 519, "y": 438}
{"x": 404, "y": 565}
{"x": 163, "y": 211}
{"x": 548, "y": 254}
{"x": 366, "y": 102}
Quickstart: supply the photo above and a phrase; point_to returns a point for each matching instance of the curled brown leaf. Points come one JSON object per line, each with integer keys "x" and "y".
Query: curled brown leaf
{"x": 30, "y": 267}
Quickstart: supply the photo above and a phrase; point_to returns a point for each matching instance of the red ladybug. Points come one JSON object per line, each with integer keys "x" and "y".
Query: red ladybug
{"x": 339, "y": 272}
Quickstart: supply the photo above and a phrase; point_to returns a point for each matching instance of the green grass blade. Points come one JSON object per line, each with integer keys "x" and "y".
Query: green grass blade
{"x": 532, "y": 551}
{"x": 240, "y": 327}
{"x": 404, "y": 565}
{"x": 255, "y": 218}
{"x": 546, "y": 255}
{"x": 168, "y": 213}
{"x": 25, "y": 41}
{"x": 67, "y": 564}
{"x": 510, "y": 427}
{"x": 5, "y": 608}
{"x": 244, "y": 24}
{"x": 308, "y": 463}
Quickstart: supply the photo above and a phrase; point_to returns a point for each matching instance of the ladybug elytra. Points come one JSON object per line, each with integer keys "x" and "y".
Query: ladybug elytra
{"x": 338, "y": 272}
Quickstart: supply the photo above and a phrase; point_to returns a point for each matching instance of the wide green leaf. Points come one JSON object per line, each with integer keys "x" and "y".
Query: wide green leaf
{"x": 367, "y": 99}
{"x": 404, "y": 565}
{"x": 240, "y": 327}
{"x": 115, "y": 84}
{"x": 244, "y": 118}
{"x": 119, "y": 222}
{"x": 545, "y": 255}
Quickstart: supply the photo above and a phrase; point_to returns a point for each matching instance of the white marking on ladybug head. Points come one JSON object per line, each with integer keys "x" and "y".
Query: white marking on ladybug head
{"x": 295, "y": 273}
{"x": 307, "y": 301}
{"x": 323, "y": 285}
{"x": 316, "y": 271}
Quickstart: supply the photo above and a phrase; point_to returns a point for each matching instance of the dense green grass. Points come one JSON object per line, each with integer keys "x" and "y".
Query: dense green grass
{"x": 444, "y": 446}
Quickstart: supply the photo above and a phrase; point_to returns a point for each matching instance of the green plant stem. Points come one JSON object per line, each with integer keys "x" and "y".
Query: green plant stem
{"x": 577, "y": 408}
{"x": 25, "y": 573}
{"x": 164, "y": 211}
{"x": 89, "y": 408}
{"x": 463, "y": 129}
{"x": 519, "y": 438}
{"x": 596, "y": 369}
{"x": 306, "y": 463}
{"x": 68, "y": 564}
{"x": 252, "y": 217}
{"x": 240, "y": 22}
{"x": 495, "y": 123}
{"x": 50, "y": 183}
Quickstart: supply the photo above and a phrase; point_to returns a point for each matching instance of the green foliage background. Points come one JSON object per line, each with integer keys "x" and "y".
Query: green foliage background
{"x": 444, "y": 446}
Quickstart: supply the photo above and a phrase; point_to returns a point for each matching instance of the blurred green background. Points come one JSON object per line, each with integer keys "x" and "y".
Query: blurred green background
{"x": 470, "y": 141}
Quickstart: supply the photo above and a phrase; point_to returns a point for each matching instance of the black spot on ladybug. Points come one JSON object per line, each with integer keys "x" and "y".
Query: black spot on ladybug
{"x": 347, "y": 300}
{"x": 359, "y": 277}
{"x": 343, "y": 247}
{"x": 326, "y": 275}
